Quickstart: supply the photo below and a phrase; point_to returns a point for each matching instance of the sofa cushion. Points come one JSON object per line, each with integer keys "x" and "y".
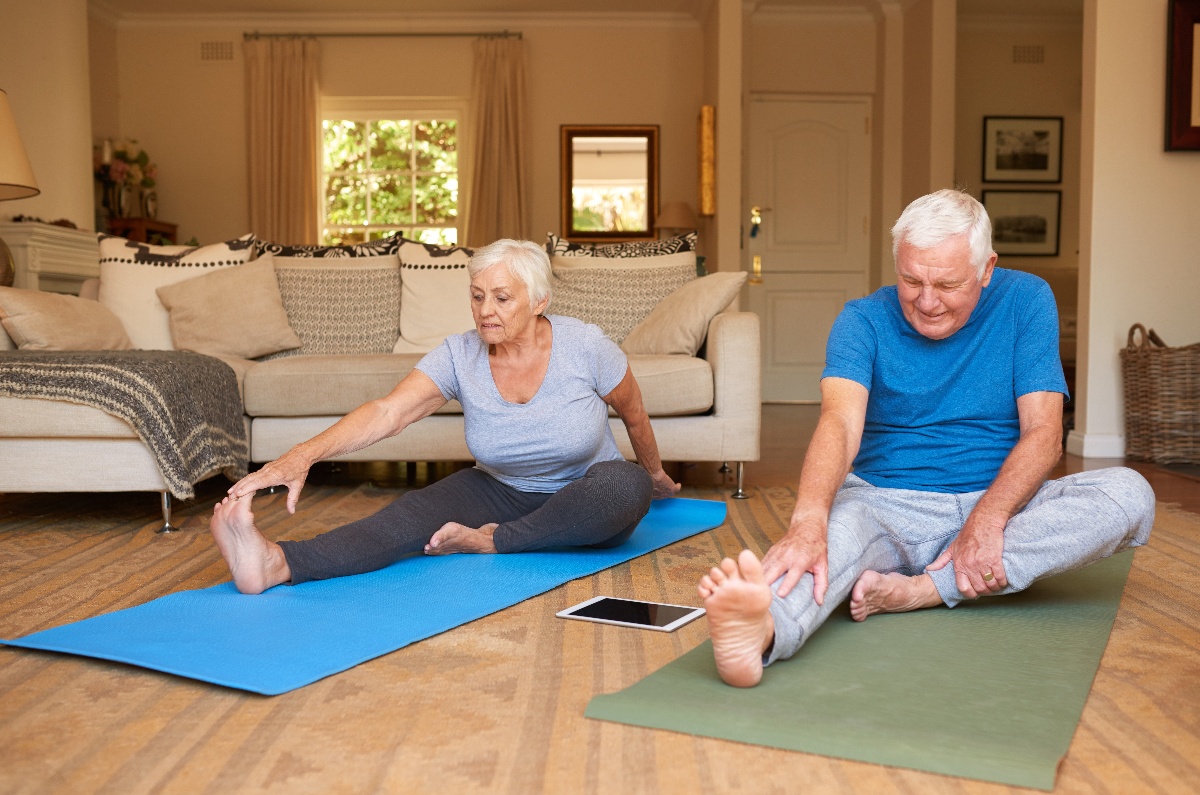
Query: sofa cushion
{"x": 556, "y": 245}
{"x": 680, "y": 321}
{"x": 435, "y": 295}
{"x": 617, "y": 293}
{"x": 340, "y": 305}
{"x": 300, "y": 386}
{"x": 131, "y": 273}
{"x": 40, "y": 321}
{"x": 673, "y": 385}
{"x": 230, "y": 312}
{"x": 36, "y": 418}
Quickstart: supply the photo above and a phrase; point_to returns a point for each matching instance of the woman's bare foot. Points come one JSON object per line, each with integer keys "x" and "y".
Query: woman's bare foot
{"x": 736, "y": 597}
{"x": 255, "y": 563}
{"x": 454, "y": 537}
{"x": 891, "y": 593}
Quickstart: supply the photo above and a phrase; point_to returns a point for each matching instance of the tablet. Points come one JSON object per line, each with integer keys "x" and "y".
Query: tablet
{"x": 632, "y": 613}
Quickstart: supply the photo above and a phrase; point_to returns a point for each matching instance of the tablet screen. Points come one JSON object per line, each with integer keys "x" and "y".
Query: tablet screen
{"x": 644, "y": 613}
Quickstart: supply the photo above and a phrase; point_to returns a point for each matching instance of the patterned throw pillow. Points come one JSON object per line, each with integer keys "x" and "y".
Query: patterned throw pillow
{"x": 556, "y": 246}
{"x": 373, "y": 248}
{"x": 348, "y": 305}
{"x": 617, "y": 293}
{"x": 435, "y": 289}
{"x": 131, "y": 272}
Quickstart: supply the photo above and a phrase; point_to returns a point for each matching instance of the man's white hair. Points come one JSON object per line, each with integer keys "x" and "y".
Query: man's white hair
{"x": 525, "y": 259}
{"x": 935, "y": 218}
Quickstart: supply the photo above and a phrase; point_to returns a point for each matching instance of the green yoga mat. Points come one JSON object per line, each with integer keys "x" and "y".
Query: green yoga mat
{"x": 990, "y": 690}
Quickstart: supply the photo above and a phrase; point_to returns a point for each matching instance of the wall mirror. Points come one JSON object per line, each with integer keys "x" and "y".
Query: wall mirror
{"x": 609, "y": 182}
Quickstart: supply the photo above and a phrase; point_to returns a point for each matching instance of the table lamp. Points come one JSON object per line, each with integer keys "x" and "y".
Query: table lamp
{"x": 16, "y": 178}
{"x": 676, "y": 217}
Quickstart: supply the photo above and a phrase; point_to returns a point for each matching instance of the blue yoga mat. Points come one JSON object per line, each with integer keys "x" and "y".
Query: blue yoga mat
{"x": 289, "y": 637}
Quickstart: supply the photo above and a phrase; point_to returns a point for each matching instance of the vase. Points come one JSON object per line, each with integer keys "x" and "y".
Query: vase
{"x": 149, "y": 204}
{"x": 122, "y": 201}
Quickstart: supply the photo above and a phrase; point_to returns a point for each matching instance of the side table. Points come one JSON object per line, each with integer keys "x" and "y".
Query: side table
{"x": 143, "y": 230}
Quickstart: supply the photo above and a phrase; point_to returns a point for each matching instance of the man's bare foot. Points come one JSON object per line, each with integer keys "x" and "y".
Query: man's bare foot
{"x": 891, "y": 593}
{"x": 736, "y": 597}
{"x": 255, "y": 563}
{"x": 454, "y": 537}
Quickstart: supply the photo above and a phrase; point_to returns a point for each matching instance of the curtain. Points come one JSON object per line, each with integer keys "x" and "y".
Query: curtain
{"x": 283, "y": 139}
{"x": 499, "y": 184}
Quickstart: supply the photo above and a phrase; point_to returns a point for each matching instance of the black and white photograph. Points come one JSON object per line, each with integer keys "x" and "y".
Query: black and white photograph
{"x": 1022, "y": 148}
{"x": 1025, "y": 223}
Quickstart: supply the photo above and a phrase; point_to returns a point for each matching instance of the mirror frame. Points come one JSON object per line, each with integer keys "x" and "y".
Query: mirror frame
{"x": 568, "y": 133}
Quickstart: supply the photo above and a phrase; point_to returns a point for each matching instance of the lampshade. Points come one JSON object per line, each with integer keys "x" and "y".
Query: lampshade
{"x": 676, "y": 215}
{"x": 16, "y": 175}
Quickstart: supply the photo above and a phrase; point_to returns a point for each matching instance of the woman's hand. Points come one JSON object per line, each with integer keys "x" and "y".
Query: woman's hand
{"x": 663, "y": 485}
{"x": 290, "y": 469}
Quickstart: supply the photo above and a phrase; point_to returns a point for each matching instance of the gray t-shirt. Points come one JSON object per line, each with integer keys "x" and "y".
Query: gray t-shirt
{"x": 552, "y": 440}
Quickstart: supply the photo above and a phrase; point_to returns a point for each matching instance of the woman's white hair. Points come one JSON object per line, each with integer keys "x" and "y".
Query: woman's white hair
{"x": 935, "y": 218}
{"x": 525, "y": 259}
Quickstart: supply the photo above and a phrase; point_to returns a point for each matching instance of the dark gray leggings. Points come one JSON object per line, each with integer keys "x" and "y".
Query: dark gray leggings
{"x": 601, "y": 509}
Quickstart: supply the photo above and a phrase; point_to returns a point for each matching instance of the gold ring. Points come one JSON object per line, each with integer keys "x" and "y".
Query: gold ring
{"x": 988, "y": 577}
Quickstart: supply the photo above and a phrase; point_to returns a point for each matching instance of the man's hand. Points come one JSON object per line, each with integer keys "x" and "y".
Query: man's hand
{"x": 290, "y": 469}
{"x": 978, "y": 555}
{"x": 663, "y": 485}
{"x": 802, "y": 550}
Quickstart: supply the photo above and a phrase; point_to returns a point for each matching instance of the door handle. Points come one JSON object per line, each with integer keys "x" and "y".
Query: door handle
{"x": 756, "y": 218}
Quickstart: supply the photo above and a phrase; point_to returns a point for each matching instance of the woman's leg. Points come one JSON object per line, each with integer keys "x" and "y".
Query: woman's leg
{"x": 601, "y": 509}
{"x": 469, "y": 496}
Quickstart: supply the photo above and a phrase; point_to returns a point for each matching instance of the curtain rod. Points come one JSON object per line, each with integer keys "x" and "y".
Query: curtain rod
{"x": 501, "y": 34}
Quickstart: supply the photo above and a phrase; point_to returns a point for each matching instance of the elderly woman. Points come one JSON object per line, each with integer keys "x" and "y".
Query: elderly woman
{"x": 535, "y": 391}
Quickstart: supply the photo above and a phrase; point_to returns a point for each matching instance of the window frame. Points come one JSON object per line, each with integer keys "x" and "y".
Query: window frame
{"x": 406, "y": 108}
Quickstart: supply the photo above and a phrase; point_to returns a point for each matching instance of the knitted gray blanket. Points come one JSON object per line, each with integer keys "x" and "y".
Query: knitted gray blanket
{"x": 184, "y": 406}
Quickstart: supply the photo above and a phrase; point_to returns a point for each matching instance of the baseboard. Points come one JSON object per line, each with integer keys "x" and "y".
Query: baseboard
{"x": 1096, "y": 445}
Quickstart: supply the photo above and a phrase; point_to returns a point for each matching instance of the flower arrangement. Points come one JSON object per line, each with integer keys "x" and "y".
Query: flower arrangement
{"x": 125, "y": 162}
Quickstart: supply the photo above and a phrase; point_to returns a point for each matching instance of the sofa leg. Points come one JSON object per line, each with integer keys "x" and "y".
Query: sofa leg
{"x": 724, "y": 470}
{"x": 166, "y": 512}
{"x": 740, "y": 493}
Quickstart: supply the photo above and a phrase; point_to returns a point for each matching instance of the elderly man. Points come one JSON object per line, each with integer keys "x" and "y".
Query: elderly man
{"x": 944, "y": 394}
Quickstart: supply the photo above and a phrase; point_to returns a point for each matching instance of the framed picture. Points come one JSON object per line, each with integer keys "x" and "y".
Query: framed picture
{"x": 1183, "y": 75}
{"x": 1022, "y": 148}
{"x": 1025, "y": 223}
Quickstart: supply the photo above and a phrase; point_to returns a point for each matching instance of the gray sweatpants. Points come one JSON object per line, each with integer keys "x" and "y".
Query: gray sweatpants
{"x": 601, "y": 509}
{"x": 1069, "y": 523}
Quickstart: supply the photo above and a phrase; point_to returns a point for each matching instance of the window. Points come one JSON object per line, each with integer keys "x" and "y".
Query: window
{"x": 386, "y": 173}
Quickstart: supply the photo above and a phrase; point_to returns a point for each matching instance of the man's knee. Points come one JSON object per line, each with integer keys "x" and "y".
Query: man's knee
{"x": 1130, "y": 490}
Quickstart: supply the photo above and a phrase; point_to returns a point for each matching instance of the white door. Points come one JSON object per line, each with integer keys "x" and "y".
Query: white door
{"x": 810, "y": 184}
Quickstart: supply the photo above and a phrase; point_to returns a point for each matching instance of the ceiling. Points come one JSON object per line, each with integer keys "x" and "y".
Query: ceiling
{"x": 120, "y": 8}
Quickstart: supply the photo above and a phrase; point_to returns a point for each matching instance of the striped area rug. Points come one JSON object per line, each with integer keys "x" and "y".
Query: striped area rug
{"x": 497, "y": 705}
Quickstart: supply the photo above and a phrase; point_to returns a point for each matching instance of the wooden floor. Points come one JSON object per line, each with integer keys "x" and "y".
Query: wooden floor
{"x": 496, "y": 706}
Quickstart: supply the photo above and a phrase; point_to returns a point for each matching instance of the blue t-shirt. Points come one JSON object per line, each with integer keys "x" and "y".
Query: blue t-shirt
{"x": 942, "y": 414}
{"x": 552, "y": 440}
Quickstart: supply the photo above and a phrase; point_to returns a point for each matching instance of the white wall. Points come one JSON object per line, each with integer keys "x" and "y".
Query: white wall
{"x": 189, "y": 113}
{"x": 990, "y": 84}
{"x": 44, "y": 69}
{"x": 1139, "y": 236}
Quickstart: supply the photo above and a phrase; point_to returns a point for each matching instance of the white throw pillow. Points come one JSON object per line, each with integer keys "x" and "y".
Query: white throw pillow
{"x": 40, "y": 321}
{"x": 435, "y": 298}
{"x": 131, "y": 273}
{"x": 679, "y": 324}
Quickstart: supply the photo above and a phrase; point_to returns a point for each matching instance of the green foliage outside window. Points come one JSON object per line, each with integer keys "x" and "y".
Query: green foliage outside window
{"x": 390, "y": 175}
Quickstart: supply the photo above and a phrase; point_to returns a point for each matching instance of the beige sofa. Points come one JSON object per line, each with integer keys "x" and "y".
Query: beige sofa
{"x": 702, "y": 408}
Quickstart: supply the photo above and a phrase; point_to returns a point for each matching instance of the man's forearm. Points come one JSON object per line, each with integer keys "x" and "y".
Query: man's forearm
{"x": 826, "y": 465}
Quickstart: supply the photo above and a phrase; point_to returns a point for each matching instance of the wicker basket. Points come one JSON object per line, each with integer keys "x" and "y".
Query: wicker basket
{"x": 1162, "y": 399}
